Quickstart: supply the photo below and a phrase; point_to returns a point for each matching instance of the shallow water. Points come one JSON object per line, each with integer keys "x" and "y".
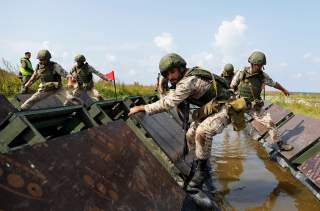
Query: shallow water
{"x": 247, "y": 180}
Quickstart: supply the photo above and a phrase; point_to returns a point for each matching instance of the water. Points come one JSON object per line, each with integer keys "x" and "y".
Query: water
{"x": 247, "y": 180}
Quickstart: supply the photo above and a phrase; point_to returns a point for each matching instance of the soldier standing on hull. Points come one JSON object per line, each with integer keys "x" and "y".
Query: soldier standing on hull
{"x": 50, "y": 74}
{"x": 248, "y": 83}
{"x": 25, "y": 71}
{"x": 200, "y": 87}
{"x": 82, "y": 74}
{"x": 228, "y": 73}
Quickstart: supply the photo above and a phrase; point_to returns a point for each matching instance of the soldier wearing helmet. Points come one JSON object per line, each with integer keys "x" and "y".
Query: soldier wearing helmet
{"x": 249, "y": 83}
{"x": 82, "y": 73}
{"x": 50, "y": 74}
{"x": 199, "y": 87}
{"x": 228, "y": 73}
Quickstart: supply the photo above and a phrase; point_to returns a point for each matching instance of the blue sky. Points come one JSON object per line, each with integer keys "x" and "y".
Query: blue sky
{"x": 131, "y": 36}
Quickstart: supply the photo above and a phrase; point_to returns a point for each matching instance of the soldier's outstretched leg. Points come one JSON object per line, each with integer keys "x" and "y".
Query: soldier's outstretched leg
{"x": 36, "y": 97}
{"x": 266, "y": 120}
{"x": 206, "y": 130}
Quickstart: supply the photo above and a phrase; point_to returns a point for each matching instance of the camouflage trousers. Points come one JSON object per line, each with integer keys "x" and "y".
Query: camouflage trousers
{"x": 40, "y": 95}
{"x": 93, "y": 93}
{"x": 200, "y": 134}
{"x": 264, "y": 118}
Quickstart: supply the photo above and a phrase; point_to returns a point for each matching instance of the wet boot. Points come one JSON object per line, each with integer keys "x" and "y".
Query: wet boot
{"x": 194, "y": 188}
{"x": 201, "y": 175}
{"x": 284, "y": 147}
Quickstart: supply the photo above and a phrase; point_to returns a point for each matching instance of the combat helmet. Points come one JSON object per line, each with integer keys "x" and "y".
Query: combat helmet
{"x": 257, "y": 57}
{"x": 44, "y": 55}
{"x": 170, "y": 61}
{"x": 80, "y": 58}
{"x": 228, "y": 70}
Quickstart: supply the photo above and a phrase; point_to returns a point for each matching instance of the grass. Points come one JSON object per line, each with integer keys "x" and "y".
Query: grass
{"x": 10, "y": 86}
{"x": 299, "y": 103}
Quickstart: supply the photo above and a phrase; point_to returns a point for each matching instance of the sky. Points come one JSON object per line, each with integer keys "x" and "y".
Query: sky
{"x": 130, "y": 37}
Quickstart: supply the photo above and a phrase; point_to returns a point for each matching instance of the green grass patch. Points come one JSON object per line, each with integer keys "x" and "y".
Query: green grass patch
{"x": 299, "y": 103}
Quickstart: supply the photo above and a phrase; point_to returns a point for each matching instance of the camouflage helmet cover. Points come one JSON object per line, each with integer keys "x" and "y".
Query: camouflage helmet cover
{"x": 228, "y": 70}
{"x": 169, "y": 61}
{"x": 43, "y": 55}
{"x": 80, "y": 58}
{"x": 257, "y": 57}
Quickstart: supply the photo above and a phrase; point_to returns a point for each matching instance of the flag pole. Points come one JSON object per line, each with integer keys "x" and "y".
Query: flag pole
{"x": 115, "y": 87}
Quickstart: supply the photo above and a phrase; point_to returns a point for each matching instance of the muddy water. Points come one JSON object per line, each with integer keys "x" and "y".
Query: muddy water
{"x": 247, "y": 180}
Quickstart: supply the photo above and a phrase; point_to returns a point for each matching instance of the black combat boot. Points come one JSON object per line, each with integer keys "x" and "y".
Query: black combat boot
{"x": 202, "y": 174}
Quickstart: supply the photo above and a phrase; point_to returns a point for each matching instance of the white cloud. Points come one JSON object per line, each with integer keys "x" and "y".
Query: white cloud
{"x": 132, "y": 72}
{"x": 110, "y": 58}
{"x": 316, "y": 59}
{"x": 297, "y": 75}
{"x": 230, "y": 39}
{"x": 65, "y": 55}
{"x": 201, "y": 59}
{"x": 46, "y": 44}
{"x": 164, "y": 41}
{"x": 307, "y": 55}
{"x": 310, "y": 57}
{"x": 283, "y": 64}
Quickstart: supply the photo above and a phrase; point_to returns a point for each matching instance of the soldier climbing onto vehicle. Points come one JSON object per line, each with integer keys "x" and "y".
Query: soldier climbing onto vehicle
{"x": 50, "y": 74}
{"x": 249, "y": 83}
{"x": 82, "y": 74}
{"x": 199, "y": 87}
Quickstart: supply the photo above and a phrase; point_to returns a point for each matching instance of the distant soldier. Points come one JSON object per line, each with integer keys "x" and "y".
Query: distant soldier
{"x": 248, "y": 83}
{"x": 50, "y": 74}
{"x": 228, "y": 73}
{"x": 82, "y": 74}
{"x": 25, "y": 71}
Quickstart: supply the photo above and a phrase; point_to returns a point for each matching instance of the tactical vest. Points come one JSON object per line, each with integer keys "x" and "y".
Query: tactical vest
{"x": 28, "y": 71}
{"x": 84, "y": 76}
{"x": 47, "y": 73}
{"x": 217, "y": 91}
{"x": 228, "y": 79}
{"x": 250, "y": 86}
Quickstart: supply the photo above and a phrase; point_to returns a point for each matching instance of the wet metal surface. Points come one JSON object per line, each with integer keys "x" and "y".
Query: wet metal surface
{"x": 300, "y": 132}
{"x": 168, "y": 135}
{"x": 5, "y": 107}
{"x": 311, "y": 168}
{"x": 247, "y": 180}
{"x": 101, "y": 169}
{"x": 49, "y": 102}
{"x": 277, "y": 113}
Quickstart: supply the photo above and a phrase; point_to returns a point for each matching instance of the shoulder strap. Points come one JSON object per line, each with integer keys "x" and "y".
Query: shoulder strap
{"x": 199, "y": 72}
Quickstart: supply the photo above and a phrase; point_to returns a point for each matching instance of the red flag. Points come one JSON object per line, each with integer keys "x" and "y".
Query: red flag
{"x": 110, "y": 75}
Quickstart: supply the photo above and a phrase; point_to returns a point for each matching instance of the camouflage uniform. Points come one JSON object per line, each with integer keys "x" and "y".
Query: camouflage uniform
{"x": 199, "y": 135}
{"x": 43, "y": 92}
{"x": 84, "y": 77}
{"x": 261, "y": 117}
